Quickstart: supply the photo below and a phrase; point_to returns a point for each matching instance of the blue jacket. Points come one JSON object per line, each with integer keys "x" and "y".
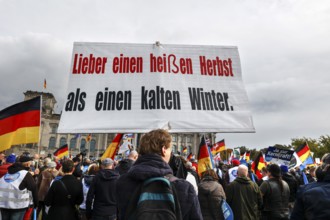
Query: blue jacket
{"x": 313, "y": 201}
{"x": 147, "y": 166}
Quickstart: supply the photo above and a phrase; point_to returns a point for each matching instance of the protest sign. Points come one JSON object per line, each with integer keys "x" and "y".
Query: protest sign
{"x": 278, "y": 156}
{"x": 139, "y": 87}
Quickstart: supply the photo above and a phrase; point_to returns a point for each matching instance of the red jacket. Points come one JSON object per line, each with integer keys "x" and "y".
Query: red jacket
{"x": 4, "y": 169}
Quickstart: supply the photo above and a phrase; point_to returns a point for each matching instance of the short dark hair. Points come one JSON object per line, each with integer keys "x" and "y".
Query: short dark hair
{"x": 67, "y": 166}
{"x": 153, "y": 142}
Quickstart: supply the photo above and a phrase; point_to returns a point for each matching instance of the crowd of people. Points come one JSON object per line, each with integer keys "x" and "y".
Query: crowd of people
{"x": 79, "y": 188}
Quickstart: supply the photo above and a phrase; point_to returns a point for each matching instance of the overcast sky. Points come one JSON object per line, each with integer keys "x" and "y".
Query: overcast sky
{"x": 284, "y": 48}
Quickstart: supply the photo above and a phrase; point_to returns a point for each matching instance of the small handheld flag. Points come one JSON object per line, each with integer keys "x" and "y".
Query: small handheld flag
{"x": 111, "y": 150}
{"x": 218, "y": 147}
{"x": 303, "y": 152}
{"x": 258, "y": 164}
{"x": 89, "y": 138}
{"x": 62, "y": 151}
{"x": 204, "y": 159}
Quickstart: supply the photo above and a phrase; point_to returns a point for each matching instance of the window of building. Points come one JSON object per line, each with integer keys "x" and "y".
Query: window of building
{"x": 73, "y": 143}
{"x": 188, "y": 149}
{"x": 189, "y": 139}
{"x": 174, "y": 137}
{"x": 62, "y": 141}
{"x": 92, "y": 145}
{"x": 54, "y": 128}
{"x": 82, "y": 145}
{"x": 174, "y": 149}
{"x": 52, "y": 142}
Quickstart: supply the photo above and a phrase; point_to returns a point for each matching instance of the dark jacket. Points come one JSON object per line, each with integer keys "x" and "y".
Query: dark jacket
{"x": 276, "y": 203}
{"x": 27, "y": 183}
{"x": 124, "y": 165}
{"x": 244, "y": 197}
{"x": 147, "y": 166}
{"x": 61, "y": 206}
{"x": 293, "y": 185}
{"x": 313, "y": 201}
{"x": 210, "y": 196}
{"x": 102, "y": 191}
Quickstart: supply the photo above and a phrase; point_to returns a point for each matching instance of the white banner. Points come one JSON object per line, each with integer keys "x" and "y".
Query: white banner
{"x": 139, "y": 87}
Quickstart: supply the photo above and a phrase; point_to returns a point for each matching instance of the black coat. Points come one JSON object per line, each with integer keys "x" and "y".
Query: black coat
{"x": 61, "y": 207}
{"x": 147, "y": 166}
{"x": 102, "y": 194}
{"x": 124, "y": 166}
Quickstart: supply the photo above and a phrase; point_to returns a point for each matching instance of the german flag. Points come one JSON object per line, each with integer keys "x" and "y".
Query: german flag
{"x": 218, "y": 147}
{"x": 20, "y": 123}
{"x": 303, "y": 152}
{"x": 89, "y": 138}
{"x": 62, "y": 151}
{"x": 247, "y": 156}
{"x": 189, "y": 157}
{"x": 204, "y": 159}
{"x": 185, "y": 150}
{"x": 111, "y": 150}
{"x": 258, "y": 164}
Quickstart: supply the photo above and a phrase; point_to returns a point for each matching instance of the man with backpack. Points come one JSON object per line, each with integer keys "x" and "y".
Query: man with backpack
{"x": 149, "y": 190}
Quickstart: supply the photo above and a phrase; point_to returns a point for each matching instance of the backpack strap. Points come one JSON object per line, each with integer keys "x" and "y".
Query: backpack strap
{"x": 178, "y": 213}
{"x": 130, "y": 211}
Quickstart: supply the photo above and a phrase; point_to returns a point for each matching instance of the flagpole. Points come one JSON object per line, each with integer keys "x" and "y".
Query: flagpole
{"x": 42, "y": 128}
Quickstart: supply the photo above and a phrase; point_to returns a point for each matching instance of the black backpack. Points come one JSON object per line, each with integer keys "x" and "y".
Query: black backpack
{"x": 155, "y": 198}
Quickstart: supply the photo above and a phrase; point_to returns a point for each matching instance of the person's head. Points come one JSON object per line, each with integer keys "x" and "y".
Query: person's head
{"x": 133, "y": 155}
{"x": 264, "y": 171}
{"x": 188, "y": 165}
{"x": 25, "y": 160}
{"x": 157, "y": 141}
{"x": 36, "y": 157}
{"x": 325, "y": 164}
{"x": 274, "y": 171}
{"x": 46, "y": 161}
{"x": 242, "y": 170}
{"x": 11, "y": 159}
{"x": 235, "y": 162}
{"x": 209, "y": 174}
{"x": 107, "y": 163}
{"x": 319, "y": 174}
{"x": 87, "y": 161}
{"x": 76, "y": 160}
{"x": 93, "y": 169}
{"x": 51, "y": 165}
{"x": 67, "y": 167}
